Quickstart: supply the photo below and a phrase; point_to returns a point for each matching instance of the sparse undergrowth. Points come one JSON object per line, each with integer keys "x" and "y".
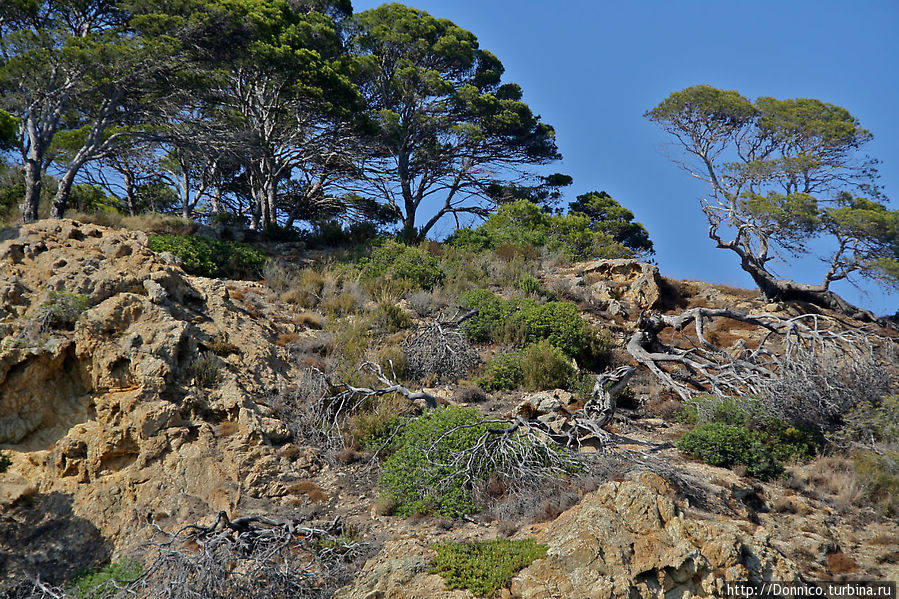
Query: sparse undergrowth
{"x": 101, "y": 583}
{"x": 484, "y": 567}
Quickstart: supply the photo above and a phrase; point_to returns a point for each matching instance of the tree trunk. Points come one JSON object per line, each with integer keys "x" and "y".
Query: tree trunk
{"x": 32, "y": 190}
{"x": 61, "y": 199}
{"x": 787, "y": 290}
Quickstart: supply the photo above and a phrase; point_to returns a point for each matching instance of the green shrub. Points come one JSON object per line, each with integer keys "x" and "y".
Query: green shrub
{"x": 560, "y": 323}
{"x": 212, "y": 258}
{"x": 879, "y": 477}
{"x": 727, "y": 445}
{"x": 871, "y": 423}
{"x": 339, "y": 305}
{"x": 62, "y": 309}
{"x": 493, "y": 312}
{"x": 545, "y": 366}
{"x": 502, "y": 372}
{"x": 420, "y": 476}
{"x": 395, "y": 260}
{"x": 205, "y": 371}
{"x": 390, "y": 318}
{"x": 97, "y": 585}
{"x": 526, "y": 321}
{"x": 523, "y": 223}
{"x": 5, "y": 462}
{"x": 484, "y": 567}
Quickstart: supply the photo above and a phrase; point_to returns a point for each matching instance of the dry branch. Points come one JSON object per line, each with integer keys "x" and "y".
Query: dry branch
{"x": 835, "y": 362}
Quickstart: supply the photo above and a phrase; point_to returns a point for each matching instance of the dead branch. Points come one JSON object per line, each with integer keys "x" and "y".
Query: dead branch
{"x": 440, "y": 349}
{"x": 788, "y": 350}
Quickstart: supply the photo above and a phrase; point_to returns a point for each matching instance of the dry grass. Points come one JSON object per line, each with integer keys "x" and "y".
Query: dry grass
{"x": 311, "y": 490}
{"x": 285, "y": 339}
{"x": 840, "y": 563}
{"x": 310, "y": 319}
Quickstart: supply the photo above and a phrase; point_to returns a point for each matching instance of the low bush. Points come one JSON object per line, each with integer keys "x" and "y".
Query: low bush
{"x": 443, "y": 459}
{"x": 62, "y": 309}
{"x": 503, "y": 372}
{"x": 545, "y": 366}
{"x": 878, "y": 475}
{"x": 728, "y": 445}
{"x": 212, "y": 258}
{"x": 420, "y": 475}
{"x": 5, "y": 462}
{"x": 99, "y": 584}
{"x": 390, "y": 318}
{"x": 394, "y": 260}
{"x": 871, "y": 423}
{"x": 484, "y": 567}
{"x": 205, "y": 371}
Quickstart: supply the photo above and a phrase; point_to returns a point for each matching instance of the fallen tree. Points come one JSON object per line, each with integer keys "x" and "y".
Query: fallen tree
{"x": 808, "y": 368}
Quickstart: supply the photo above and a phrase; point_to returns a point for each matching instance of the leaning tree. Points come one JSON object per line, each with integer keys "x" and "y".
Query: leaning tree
{"x": 783, "y": 173}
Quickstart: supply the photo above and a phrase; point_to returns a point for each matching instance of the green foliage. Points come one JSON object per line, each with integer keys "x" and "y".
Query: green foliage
{"x": 5, "y": 462}
{"x": 785, "y": 441}
{"x": 484, "y": 567}
{"x": 871, "y": 423}
{"x": 523, "y": 223}
{"x": 419, "y": 475}
{"x": 545, "y": 366}
{"x": 210, "y": 257}
{"x": 97, "y": 585}
{"x": 609, "y": 217}
{"x": 390, "y": 318}
{"x": 525, "y": 321}
{"x": 62, "y": 308}
{"x": 538, "y": 366}
{"x": 879, "y": 477}
{"x": 397, "y": 261}
{"x": 727, "y": 445}
{"x": 503, "y": 372}
{"x": 493, "y": 312}
{"x": 205, "y": 371}
{"x": 8, "y": 127}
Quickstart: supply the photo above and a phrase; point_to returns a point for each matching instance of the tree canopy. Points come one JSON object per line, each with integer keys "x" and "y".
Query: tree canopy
{"x": 783, "y": 173}
{"x": 444, "y": 122}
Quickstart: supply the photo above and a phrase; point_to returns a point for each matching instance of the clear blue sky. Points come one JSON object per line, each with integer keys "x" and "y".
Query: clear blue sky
{"x": 592, "y": 68}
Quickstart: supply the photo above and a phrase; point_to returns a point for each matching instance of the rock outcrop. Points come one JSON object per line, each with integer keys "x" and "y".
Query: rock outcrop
{"x": 631, "y": 539}
{"x": 151, "y": 401}
{"x": 622, "y": 288}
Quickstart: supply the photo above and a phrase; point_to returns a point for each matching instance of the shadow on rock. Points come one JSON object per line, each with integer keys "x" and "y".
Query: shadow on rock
{"x": 41, "y": 536}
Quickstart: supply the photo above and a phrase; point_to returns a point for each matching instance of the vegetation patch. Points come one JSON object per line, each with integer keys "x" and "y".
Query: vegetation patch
{"x": 484, "y": 567}
{"x": 728, "y": 445}
{"x": 100, "y": 584}
{"x": 212, "y": 258}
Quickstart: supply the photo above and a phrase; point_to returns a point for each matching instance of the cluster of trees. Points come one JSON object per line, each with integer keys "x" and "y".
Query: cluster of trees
{"x": 276, "y": 111}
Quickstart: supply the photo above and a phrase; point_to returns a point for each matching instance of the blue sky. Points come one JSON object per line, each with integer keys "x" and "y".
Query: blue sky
{"x": 592, "y": 68}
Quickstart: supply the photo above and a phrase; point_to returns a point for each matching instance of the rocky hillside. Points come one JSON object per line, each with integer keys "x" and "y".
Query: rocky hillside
{"x": 131, "y": 392}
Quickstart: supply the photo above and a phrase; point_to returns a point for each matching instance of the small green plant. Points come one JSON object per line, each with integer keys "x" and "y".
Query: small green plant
{"x": 420, "y": 475}
{"x": 545, "y": 366}
{"x": 530, "y": 285}
{"x": 727, "y": 445}
{"x": 871, "y": 423}
{"x": 879, "y": 477}
{"x": 205, "y": 371}
{"x": 5, "y": 462}
{"x": 503, "y": 372}
{"x": 62, "y": 309}
{"x": 484, "y": 567}
{"x": 390, "y": 318}
{"x": 99, "y": 584}
{"x": 212, "y": 258}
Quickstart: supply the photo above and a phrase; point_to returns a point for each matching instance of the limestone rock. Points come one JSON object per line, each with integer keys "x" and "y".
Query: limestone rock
{"x": 621, "y": 287}
{"x": 630, "y": 539}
